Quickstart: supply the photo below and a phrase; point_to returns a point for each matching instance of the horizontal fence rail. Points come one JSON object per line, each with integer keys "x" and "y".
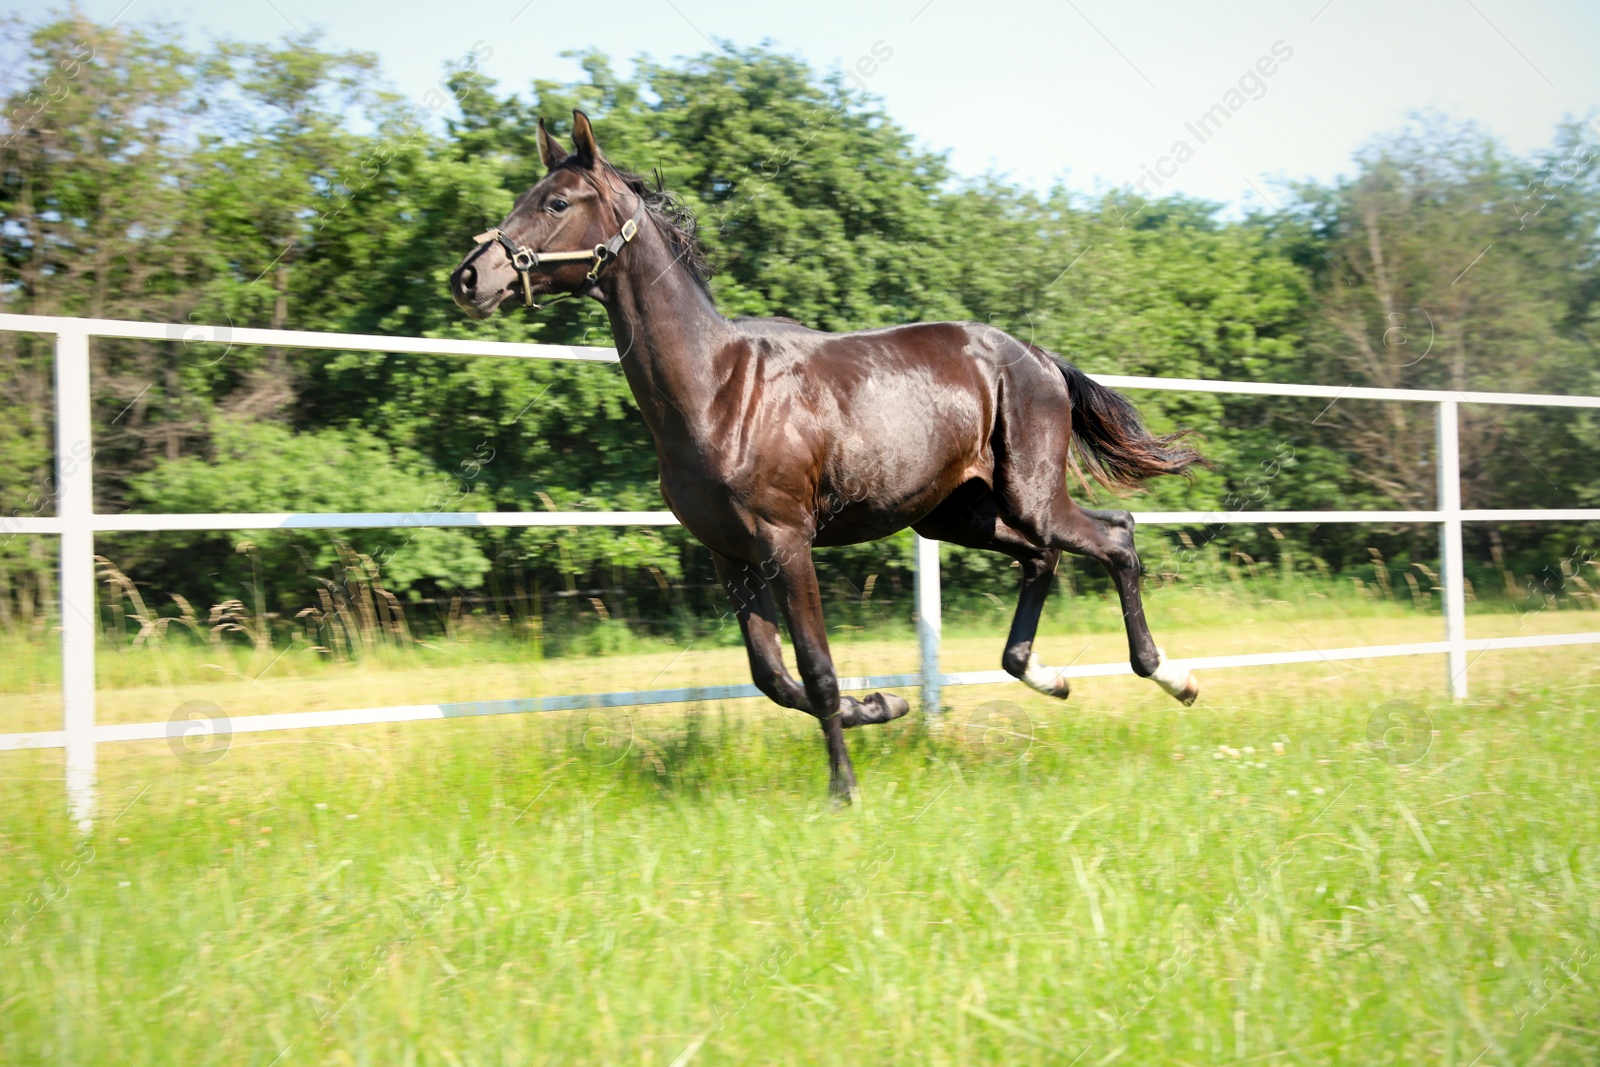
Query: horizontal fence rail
{"x": 372, "y": 520}
{"x": 307, "y": 720}
{"x": 76, "y": 523}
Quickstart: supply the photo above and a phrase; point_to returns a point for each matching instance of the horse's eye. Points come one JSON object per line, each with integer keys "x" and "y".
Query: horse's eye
{"x": 558, "y": 204}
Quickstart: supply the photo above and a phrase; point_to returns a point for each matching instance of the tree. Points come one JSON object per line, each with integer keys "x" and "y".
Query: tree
{"x": 281, "y": 185}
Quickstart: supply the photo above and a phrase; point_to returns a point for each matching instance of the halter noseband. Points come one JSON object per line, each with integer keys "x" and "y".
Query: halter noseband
{"x": 525, "y": 260}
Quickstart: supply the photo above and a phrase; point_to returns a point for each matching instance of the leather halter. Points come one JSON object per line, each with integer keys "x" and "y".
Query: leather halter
{"x": 525, "y": 260}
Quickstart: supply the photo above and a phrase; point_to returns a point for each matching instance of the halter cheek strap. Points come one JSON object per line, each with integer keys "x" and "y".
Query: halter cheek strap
{"x": 525, "y": 261}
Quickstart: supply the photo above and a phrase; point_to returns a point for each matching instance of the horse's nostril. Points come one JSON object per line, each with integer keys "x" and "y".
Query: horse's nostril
{"x": 466, "y": 280}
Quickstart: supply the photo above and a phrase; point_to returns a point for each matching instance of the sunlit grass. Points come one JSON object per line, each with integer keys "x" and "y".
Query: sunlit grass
{"x": 1115, "y": 876}
{"x": 488, "y": 659}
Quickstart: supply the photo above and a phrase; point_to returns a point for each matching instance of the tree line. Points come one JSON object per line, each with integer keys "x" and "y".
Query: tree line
{"x": 280, "y": 185}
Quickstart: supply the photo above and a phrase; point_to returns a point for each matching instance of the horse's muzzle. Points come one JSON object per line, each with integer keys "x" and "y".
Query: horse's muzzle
{"x": 464, "y": 291}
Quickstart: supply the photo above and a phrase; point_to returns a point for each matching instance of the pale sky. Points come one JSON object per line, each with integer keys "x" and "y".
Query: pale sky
{"x": 1083, "y": 91}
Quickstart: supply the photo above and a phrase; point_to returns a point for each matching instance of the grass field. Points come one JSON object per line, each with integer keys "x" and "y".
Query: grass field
{"x": 1115, "y": 879}
{"x": 148, "y": 684}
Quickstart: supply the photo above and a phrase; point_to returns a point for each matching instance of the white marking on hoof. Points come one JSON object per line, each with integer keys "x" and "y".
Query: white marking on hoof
{"x": 1175, "y": 679}
{"x": 1051, "y": 681}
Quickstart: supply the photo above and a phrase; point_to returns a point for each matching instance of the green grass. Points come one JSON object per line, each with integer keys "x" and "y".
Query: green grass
{"x": 553, "y": 889}
{"x": 1254, "y": 613}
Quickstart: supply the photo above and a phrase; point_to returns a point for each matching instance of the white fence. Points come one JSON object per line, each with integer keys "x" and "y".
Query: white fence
{"x": 76, "y": 524}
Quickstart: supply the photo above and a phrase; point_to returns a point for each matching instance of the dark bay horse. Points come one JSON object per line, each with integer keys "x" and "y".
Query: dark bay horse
{"x": 774, "y": 438}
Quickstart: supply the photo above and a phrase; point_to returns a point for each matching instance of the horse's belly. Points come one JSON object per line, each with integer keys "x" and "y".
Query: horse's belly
{"x": 851, "y": 514}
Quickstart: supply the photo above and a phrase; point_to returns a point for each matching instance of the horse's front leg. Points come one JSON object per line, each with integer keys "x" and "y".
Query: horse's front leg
{"x": 757, "y": 613}
{"x": 758, "y": 622}
{"x": 801, "y": 600}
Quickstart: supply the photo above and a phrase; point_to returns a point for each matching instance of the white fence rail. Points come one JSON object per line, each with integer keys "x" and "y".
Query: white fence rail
{"x": 76, "y": 523}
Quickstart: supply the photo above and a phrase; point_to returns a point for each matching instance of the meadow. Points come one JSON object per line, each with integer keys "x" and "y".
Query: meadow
{"x": 1319, "y": 864}
{"x": 1328, "y": 863}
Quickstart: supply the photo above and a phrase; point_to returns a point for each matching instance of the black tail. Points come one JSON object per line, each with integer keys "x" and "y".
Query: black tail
{"x": 1110, "y": 441}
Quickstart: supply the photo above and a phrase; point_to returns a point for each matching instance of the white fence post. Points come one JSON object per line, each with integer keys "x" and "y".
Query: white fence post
{"x": 930, "y": 622}
{"x": 1452, "y": 571}
{"x": 79, "y": 617}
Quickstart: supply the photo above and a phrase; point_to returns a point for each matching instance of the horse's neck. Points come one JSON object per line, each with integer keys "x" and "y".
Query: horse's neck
{"x": 667, "y": 332}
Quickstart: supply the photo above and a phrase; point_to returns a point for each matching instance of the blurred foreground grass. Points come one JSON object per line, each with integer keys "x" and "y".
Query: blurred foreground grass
{"x": 1111, "y": 879}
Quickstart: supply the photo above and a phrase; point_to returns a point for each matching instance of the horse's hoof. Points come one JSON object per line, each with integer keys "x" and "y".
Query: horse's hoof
{"x": 877, "y": 708}
{"x": 1051, "y": 681}
{"x": 1190, "y": 692}
{"x": 1175, "y": 679}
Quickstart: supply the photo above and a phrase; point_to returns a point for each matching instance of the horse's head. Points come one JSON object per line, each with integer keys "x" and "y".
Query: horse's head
{"x": 559, "y": 235}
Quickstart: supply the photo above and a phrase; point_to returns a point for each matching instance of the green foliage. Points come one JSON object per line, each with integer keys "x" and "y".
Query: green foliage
{"x": 268, "y": 467}
{"x": 282, "y": 185}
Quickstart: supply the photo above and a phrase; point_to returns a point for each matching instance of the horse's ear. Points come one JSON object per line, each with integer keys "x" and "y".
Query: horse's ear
{"x": 583, "y": 142}
{"x": 549, "y": 150}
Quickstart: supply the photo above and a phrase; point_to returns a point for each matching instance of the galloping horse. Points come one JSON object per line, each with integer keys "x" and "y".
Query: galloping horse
{"x": 774, "y": 438}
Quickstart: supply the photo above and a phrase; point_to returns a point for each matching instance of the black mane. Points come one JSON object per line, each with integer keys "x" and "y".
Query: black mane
{"x": 676, "y": 219}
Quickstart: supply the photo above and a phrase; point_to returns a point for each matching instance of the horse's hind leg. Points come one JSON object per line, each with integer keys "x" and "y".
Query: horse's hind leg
{"x": 971, "y": 518}
{"x": 1107, "y": 536}
{"x": 1019, "y": 660}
